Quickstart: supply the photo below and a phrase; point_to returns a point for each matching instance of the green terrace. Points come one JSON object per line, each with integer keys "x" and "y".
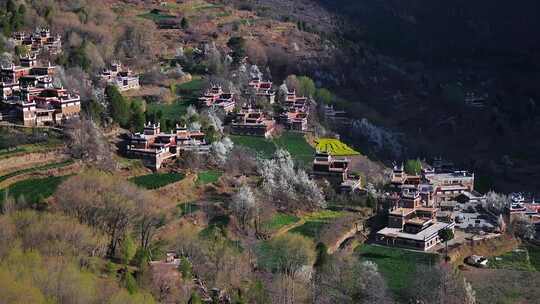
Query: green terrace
{"x": 278, "y": 221}
{"x": 295, "y": 143}
{"x": 208, "y": 177}
{"x": 187, "y": 93}
{"x": 156, "y": 180}
{"x": 33, "y": 190}
{"x": 157, "y": 16}
{"x": 315, "y": 222}
{"x": 398, "y": 266}
{"x": 524, "y": 258}
{"x": 36, "y": 169}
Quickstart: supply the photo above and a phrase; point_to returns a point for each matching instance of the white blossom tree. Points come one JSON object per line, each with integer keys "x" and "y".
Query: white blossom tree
{"x": 287, "y": 186}
{"x": 496, "y": 202}
{"x": 244, "y": 206}
{"x": 221, "y": 150}
{"x": 215, "y": 121}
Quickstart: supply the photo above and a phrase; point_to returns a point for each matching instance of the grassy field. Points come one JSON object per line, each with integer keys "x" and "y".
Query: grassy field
{"x": 398, "y": 266}
{"x": 157, "y": 180}
{"x": 534, "y": 256}
{"x": 279, "y": 220}
{"x": 51, "y": 144}
{"x": 188, "y": 94}
{"x": 208, "y": 177}
{"x": 171, "y": 112}
{"x": 335, "y": 147}
{"x": 156, "y": 16}
{"x": 518, "y": 259}
{"x": 33, "y": 190}
{"x": 194, "y": 86}
{"x": 35, "y": 169}
{"x": 262, "y": 146}
{"x": 315, "y": 222}
{"x": 296, "y": 144}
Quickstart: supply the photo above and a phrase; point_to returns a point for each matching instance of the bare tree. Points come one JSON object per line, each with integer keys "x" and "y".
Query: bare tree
{"x": 440, "y": 285}
{"x": 241, "y": 161}
{"x": 347, "y": 280}
{"x": 102, "y": 201}
{"x": 86, "y": 142}
{"x": 522, "y": 228}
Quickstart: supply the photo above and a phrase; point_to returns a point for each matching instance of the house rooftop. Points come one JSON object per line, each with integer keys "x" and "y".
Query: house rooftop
{"x": 420, "y": 236}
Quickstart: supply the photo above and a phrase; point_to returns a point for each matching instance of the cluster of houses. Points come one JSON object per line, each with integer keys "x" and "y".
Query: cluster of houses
{"x": 39, "y": 41}
{"x": 28, "y": 95}
{"x": 416, "y": 207}
{"x": 154, "y": 146}
{"x": 121, "y": 77}
{"x": 525, "y": 206}
{"x": 215, "y": 98}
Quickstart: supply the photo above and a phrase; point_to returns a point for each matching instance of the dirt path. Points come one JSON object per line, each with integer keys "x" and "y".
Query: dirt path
{"x": 289, "y": 227}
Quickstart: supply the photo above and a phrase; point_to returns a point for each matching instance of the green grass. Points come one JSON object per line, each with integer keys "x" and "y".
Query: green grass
{"x": 195, "y": 85}
{"x": 156, "y": 17}
{"x": 31, "y": 148}
{"x": 398, "y": 266}
{"x": 208, "y": 177}
{"x": 534, "y": 255}
{"x": 188, "y": 94}
{"x": 297, "y": 145}
{"x": 171, "y": 112}
{"x": 514, "y": 260}
{"x": 335, "y": 147}
{"x": 33, "y": 190}
{"x": 262, "y": 146}
{"x": 315, "y": 222}
{"x": 280, "y": 220}
{"x": 156, "y": 180}
{"x": 35, "y": 169}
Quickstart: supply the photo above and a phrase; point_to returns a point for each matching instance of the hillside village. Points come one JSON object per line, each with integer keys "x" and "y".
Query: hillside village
{"x": 162, "y": 152}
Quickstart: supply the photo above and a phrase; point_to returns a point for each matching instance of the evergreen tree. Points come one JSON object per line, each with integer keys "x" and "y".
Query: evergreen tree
{"x": 130, "y": 283}
{"x": 238, "y": 47}
{"x": 119, "y": 107}
{"x": 137, "y": 117}
{"x": 185, "y": 268}
{"x": 128, "y": 250}
{"x": 322, "y": 255}
{"x": 184, "y": 23}
{"x": 195, "y": 299}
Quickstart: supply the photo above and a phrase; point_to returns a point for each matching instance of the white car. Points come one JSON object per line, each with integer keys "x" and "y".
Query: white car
{"x": 477, "y": 261}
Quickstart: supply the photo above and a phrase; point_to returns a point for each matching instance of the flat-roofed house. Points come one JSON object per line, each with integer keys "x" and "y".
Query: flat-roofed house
{"x": 411, "y": 224}
{"x": 336, "y": 171}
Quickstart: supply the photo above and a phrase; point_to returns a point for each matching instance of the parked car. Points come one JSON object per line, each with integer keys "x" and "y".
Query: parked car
{"x": 477, "y": 261}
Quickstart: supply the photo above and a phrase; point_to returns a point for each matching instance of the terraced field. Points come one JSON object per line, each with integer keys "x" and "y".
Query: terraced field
{"x": 295, "y": 143}
{"x": 34, "y": 190}
{"x": 334, "y": 147}
{"x": 156, "y": 180}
